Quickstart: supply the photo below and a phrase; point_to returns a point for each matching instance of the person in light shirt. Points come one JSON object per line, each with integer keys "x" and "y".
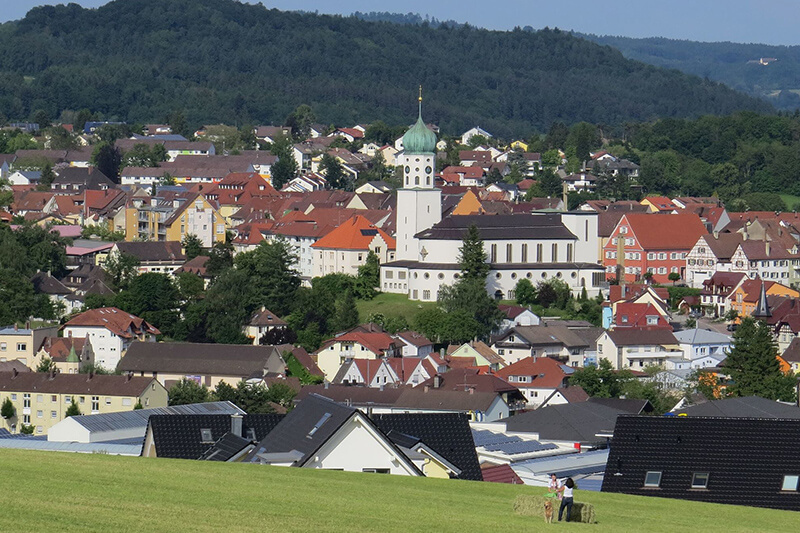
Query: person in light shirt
{"x": 566, "y": 491}
{"x": 554, "y": 485}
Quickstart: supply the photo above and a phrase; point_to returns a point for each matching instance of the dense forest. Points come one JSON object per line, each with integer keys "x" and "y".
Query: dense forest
{"x": 734, "y": 64}
{"x": 224, "y": 61}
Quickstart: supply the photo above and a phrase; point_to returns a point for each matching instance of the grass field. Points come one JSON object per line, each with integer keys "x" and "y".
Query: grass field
{"x": 391, "y": 305}
{"x": 46, "y": 491}
{"x": 790, "y": 200}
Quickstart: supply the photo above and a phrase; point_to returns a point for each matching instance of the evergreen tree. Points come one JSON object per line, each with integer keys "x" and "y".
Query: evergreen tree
{"x": 334, "y": 174}
{"x": 107, "y": 158}
{"x": 345, "y": 312}
{"x": 753, "y": 366}
{"x": 525, "y": 292}
{"x": 285, "y": 168}
{"x": 369, "y": 277}
{"x": 472, "y": 256}
{"x": 46, "y": 365}
{"x": 73, "y": 409}
{"x": 47, "y": 176}
{"x": 187, "y": 391}
{"x": 192, "y": 246}
{"x": 7, "y": 411}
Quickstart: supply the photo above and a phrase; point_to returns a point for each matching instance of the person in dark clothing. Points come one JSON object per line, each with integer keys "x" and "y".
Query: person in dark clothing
{"x": 566, "y": 502}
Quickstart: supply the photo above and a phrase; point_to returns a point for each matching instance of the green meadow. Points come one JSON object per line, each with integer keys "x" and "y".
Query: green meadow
{"x": 63, "y": 492}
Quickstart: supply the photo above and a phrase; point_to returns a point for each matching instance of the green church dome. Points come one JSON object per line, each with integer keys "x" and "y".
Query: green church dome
{"x": 419, "y": 139}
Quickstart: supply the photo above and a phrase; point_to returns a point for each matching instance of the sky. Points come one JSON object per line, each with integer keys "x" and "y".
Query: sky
{"x": 744, "y": 21}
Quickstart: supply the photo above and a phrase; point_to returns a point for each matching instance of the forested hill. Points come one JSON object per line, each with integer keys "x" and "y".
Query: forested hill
{"x": 734, "y": 64}
{"x": 219, "y": 60}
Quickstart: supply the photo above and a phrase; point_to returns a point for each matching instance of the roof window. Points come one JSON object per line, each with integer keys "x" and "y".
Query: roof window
{"x": 318, "y": 425}
{"x": 206, "y": 437}
{"x": 652, "y": 479}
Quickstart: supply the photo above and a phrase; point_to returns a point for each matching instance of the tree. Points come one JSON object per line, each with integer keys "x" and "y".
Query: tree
{"x": 333, "y": 171}
{"x": 271, "y": 269}
{"x": 673, "y": 277}
{"x": 300, "y": 120}
{"x": 220, "y": 258}
{"x": 285, "y": 168}
{"x": 41, "y": 118}
{"x": 601, "y": 381}
{"x": 753, "y": 366}
{"x": 153, "y": 297}
{"x": 47, "y": 176}
{"x": 46, "y": 365}
{"x": 122, "y": 268}
{"x": 73, "y": 409}
{"x": 550, "y": 184}
{"x": 345, "y": 312}
{"x": 138, "y": 405}
{"x": 525, "y": 292}
{"x": 107, "y": 158}
{"x": 369, "y": 277}
{"x": 187, "y": 391}
{"x": 276, "y": 336}
{"x": 177, "y": 123}
{"x": 472, "y": 256}
{"x": 192, "y": 246}
{"x": 7, "y": 411}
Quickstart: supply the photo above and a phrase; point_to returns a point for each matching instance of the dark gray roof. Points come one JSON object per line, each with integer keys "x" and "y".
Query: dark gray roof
{"x": 153, "y": 250}
{"x": 746, "y": 459}
{"x": 573, "y": 422}
{"x": 492, "y": 227}
{"x": 227, "y": 447}
{"x": 447, "y": 433}
{"x": 641, "y": 337}
{"x": 497, "y": 266}
{"x": 241, "y": 360}
{"x": 85, "y": 177}
{"x": 102, "y": 422}
{"x": 180, "y": 437}
{"x": 629, "y": 405}
{"x": 305, "y": 430}
{"x": 44, "y": 283}
{"x": 746, "y": 407}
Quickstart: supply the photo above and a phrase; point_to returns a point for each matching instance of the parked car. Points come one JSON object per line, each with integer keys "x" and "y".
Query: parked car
{"x": 732, "y": 327}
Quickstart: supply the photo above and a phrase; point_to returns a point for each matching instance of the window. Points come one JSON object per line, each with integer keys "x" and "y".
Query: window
{"x": 426, "y": 295}
{"x": 524, "y": 252}
{"x": 220, "y": 229}
{"x": 569, "y": 253}
{"x": 539, "y": 253}
{"x": 26, "y": 419}
{"x": 509, "y": 253}
{"x": 26, "y": 400}
{"x": 39, "y": 398}
{"x": 67, "y": 400}
{"x": 53, "y": 398}
{"x": 108, "y": 400}
{"x": 3, "y": 346}
{"x": 375, "y": 470}
{"x": 39, "y": 414}
{"x": 790, "y": 482}
{"x": 205, "y": 436}
{"x": 700, "y": 480}
{"x": 493, "y": 254}
{"x": 95, "y": 403}
{"x": 554, "y": 253}
{"x": 21, "y": 346}
{"x": 53, "y": 414}
{"x": 652, "y": 479}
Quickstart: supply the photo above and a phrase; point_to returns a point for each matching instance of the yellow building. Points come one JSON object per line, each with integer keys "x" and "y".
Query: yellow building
{"x": 41, "y": 400}
{"x": 20, "y": 344}
{"x": 745, "y": 298}
{"x": 171, "y": 217}
{"x": 519, "y": 145}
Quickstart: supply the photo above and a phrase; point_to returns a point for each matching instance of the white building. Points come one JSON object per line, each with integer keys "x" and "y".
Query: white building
{"x": 111, "y": 331}
{"x": 536, "y": 246}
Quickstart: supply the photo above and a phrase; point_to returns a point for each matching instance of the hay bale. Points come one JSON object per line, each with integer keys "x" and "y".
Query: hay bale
{"x": 532, "y": 505}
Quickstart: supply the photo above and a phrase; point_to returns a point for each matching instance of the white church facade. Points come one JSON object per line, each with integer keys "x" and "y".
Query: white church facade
{"x": 537, "y": 246}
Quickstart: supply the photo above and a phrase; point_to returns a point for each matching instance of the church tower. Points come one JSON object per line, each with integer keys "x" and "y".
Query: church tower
{"x": 419, "y": 203}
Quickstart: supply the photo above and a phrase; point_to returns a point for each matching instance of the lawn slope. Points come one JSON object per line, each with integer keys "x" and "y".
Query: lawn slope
{"x": 42, "y": 491}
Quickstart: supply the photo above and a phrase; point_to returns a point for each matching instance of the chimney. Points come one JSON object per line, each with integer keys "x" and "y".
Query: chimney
{"x": 767, "y": 248}
{"x": 327, "y": 384}
{"x": 90, "y": 375}
{"x": 472, "y": 390}
{"x": 52, "y": 374}
{"x": 236, "y": 424}
{"x": 14, "y": 373}
{"x": 128, "y": 376}
{"x": 425, "y": 389}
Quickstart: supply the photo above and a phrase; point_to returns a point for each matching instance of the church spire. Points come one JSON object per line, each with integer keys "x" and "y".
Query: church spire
{"x": 762, "y": 309}
{"x": 420, "y": 102}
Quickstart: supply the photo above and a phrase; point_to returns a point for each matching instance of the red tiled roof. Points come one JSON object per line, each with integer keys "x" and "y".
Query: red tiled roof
{"x": 115, "y": 320}
{"x": 547, "y": 373}
{"x": 501, "y": 474}
{"x": 469, "y": 378}
{"x": 355, "y": 234}
{"x": 635, "y": 315}
{"x": 684, "y": 230}
{"x": 377, "y": 343}
{"x": 58, "y": 348}
{"x": 662, "y": 203}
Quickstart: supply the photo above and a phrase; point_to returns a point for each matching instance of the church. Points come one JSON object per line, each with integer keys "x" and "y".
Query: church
{"x": 537, "y": 246}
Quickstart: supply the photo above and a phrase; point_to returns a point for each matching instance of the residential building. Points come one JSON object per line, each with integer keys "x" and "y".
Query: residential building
{"x": 478, "y": 353}
{"x": 537, "y": 378}
{"x": 355, "y": 345}
{"x": 171, "y": 217}
{"x": 207, "y": 364}
{"x": 745, "y": 297}
{"x": 164, "y": 257}
{"x": 262, "y": 322}
{"x": 639, "y": 315}
{"x": 414, "y": 344}
{"x": 69, "y": 354}
{"x": 637, "y": 348}
{"x": 21, "y": 344}
{"x": 566, "y": 344}
{"x": 648, "y": 248}
{"x": 42, "y": 399}
{"x": 698, "y": 344}
{"x": 110, "y": 332}
{"x": 345, "y": 248}
{"x": 711, "y": 254}
{"x": 715, "y": 297}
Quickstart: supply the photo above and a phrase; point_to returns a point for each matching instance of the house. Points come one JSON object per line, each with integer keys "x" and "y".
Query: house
{"x": 207, "y": 364}
{"x": 173, "y": 216}
{"x": 648, "y": 248}
{"x": 715, "y": 297}
{"x": 707, "y": 459}
{"x": 637, "y": 347}
{"x": 697, "y": 344}
{"x": 537, "y": 378}
{"x": 792, "y": 355}
{"x": 478, "y": 352}
{"x": 354, "y": 345}
{"x": 21, "y": 344}
{"x": 562, "y": 395}
{"x": 70, "y": 180}
{"x": 322, "y": 434}
{"x": 559, "y": 342}
{"x": 580, "y": 181}
{"x": 741, "y": 407}
{"x": 346, "y": 247}
{"x": 639, "y": 315}
{"x": 110, "y": 332}
{"x": 658, "y": 204}
{"x": 163, "y": 256}
{"x": 517, "y": 315}
{"x": 367, "y": 372}
{"x": 470, "y": 133}
{"x": 374, "y": 187}
{"x": 414, "y": 344}
{"x": 127, "y": 425}
{"x": 69, "y": 354}
{"x": 262, "y": 322}
{"x": 41, "y": 399}
{"x": 472, "y": 381}
{"x": 745, "y": 297}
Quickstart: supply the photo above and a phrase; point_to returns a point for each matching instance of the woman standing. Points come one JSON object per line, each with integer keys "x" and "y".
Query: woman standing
{"x": 566, "y": 491}
{"x": 554, "y": 486}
